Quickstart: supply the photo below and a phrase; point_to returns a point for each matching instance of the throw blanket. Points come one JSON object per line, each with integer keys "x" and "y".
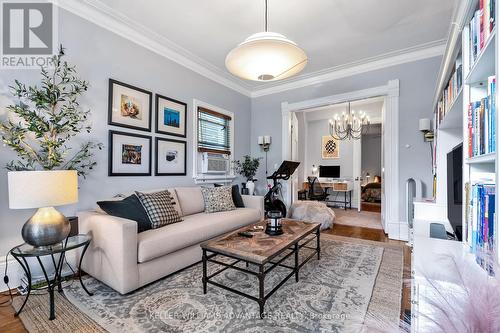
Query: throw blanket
{"x": 313, "y": 211}
{"x": 371, "y": 192}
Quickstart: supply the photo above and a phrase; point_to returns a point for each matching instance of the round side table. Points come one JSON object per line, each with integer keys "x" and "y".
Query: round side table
{"x": 23, "y": 251}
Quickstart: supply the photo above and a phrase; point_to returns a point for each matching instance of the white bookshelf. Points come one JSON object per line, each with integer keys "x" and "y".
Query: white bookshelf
{"x": 453, "y": 128}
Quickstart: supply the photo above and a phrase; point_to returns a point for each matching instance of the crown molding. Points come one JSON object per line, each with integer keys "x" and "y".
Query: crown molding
{"x": 104, "y": 16}
{"x": 419, "y": 52}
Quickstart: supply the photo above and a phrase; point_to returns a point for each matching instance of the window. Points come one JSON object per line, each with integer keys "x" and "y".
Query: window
{"x": 213, "y": 144}
{"x": 214, "y": 132}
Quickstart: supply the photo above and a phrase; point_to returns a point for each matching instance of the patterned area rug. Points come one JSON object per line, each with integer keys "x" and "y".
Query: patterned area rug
{"x": 353, "y": 218}
{"x": 354, "y": 278}
{"x": 333, "y": 295}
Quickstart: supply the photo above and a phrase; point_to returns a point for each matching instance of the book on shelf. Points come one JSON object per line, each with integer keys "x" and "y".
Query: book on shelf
{"x": 481, "y": 26}
{"x": 480, "y": 217}
{"x": 481, "y": 123}
{"x": 451, "y": 91}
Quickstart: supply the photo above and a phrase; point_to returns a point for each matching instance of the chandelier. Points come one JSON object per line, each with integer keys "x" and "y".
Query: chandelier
{"x": 349, "y": 125}
{"x": 266, "y": 56}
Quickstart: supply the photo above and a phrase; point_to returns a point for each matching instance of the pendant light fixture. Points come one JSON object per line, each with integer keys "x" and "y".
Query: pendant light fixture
{"x": 266, "y": 56}
{"x": 349, "y": 125}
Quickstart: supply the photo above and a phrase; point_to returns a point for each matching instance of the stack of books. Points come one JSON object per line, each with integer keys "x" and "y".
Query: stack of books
{"x": 480, "y": 215}
{"x": 481, "y": 123}
{"x": 481, "y": 26}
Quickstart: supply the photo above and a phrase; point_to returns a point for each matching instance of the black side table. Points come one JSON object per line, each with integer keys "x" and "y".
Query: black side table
{"x": 23, "y": 251}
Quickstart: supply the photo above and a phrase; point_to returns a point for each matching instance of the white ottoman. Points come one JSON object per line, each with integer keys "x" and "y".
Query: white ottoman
{"x": 313, "y": 211}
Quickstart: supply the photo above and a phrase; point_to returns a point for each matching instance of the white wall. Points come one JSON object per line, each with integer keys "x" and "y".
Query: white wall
{"x": 100, "y": 55}
{"x": 315, "y": 131}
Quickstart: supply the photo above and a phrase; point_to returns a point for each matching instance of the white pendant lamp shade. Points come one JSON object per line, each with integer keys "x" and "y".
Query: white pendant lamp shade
{"x": 266, "y": 56}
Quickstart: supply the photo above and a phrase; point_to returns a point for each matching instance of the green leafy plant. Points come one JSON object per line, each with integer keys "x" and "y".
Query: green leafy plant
{"x": 247, "y": 167}
{"x": 45, "y": 118}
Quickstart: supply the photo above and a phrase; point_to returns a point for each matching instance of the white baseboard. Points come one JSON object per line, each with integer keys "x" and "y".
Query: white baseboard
{"x": 398, "y": 231}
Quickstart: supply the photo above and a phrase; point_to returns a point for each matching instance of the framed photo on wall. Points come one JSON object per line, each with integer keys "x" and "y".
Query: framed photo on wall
{"x": 129, "y": 106}
{"x": 129, "y": 154}
{"x": 171, "y": 157}
{"x": 170, "y": 116}
{"x": 330, "y": 147}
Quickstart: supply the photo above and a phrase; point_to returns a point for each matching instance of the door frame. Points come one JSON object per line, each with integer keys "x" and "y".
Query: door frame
{"x": 392, "y": 224}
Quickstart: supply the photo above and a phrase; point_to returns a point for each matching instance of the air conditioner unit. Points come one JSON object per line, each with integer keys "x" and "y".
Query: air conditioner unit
{"x": 214, "y": 163}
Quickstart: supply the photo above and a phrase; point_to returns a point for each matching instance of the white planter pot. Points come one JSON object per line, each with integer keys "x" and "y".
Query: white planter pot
{"x": 250, "y": 187}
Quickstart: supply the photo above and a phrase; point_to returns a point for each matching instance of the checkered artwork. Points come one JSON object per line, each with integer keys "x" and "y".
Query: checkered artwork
{"x": 159, "y": 208}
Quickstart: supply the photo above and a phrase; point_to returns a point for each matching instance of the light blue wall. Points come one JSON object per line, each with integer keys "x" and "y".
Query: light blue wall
{"x": 417, "y": 84}
{"x": 100, "y": 55}
{"x": 315, "y": 131}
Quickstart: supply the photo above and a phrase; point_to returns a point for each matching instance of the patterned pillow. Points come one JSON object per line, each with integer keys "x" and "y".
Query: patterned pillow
{"x": 218, "y": 199}
{"x": 159, "y": 207}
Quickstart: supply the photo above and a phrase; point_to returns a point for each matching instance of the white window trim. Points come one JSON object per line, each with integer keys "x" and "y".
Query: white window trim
{"x": 200, "y": 178}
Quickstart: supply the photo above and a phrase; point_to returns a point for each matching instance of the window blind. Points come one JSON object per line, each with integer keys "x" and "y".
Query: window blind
{"x": 213, "y": 131}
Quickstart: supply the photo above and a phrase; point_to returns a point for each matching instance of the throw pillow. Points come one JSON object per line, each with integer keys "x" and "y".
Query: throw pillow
{"x": 158, "y": 206}
{"x": 217, "y": 199}
{"x": 128, "y": 208}
{"x": 237, "y": 199}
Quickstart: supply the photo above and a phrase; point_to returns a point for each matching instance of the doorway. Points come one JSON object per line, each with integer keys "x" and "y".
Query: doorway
{"x": 391, "y": 220}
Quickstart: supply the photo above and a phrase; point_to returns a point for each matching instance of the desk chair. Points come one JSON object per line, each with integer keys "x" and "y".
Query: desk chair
{"x": 316, "y": 191}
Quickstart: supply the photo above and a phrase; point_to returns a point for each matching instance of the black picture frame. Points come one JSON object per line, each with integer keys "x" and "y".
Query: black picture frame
{"x": 110, "y": 154}
{"x": 157, "y": 140}
{"x": 157, "y": 118}
{"x": 112, "y": 82}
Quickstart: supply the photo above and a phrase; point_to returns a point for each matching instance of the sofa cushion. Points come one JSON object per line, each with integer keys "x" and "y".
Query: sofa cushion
{"x": 217, "y": 199}
{"x": 194, "y": 229}
{"x": 237, "y": 198}
{"x": 128, "y": 208}
{"x": 159, "y": 207}
{"x": 190, "y": 200}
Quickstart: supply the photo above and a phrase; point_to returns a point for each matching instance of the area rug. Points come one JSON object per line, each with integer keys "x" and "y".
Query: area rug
{"x": 353, "y": 279}
{"x": 353, "y": 218}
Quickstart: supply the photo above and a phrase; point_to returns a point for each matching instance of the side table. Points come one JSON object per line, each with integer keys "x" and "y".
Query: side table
{"x": 23, "y": 251}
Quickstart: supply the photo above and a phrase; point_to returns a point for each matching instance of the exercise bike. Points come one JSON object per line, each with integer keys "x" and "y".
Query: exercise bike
{"x": 273, "y": 200}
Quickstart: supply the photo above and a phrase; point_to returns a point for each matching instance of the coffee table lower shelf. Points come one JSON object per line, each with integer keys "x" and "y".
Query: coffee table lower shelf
{"x": 210, "y": 255}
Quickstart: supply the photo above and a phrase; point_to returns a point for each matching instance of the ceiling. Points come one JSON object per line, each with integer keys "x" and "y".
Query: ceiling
{"x": 371, "y": 106}
{"x": 332, "y": 32}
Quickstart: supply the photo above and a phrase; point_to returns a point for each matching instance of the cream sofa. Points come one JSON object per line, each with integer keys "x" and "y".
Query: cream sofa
{"x": 125, "y": 260}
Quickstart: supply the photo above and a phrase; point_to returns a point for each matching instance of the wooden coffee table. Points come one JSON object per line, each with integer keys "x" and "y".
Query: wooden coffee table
{"x": 260, "y": 250}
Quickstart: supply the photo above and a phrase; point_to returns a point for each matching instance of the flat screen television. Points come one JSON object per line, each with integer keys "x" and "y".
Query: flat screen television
{"x": 329, "y": 171}
{"x": 454, "y": 189}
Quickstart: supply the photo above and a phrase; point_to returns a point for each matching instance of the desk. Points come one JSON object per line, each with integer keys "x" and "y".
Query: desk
{"x": 339, "y": 187}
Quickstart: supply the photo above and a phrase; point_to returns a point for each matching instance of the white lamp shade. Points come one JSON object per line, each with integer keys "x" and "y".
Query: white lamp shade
{"x": 266, "y": 56}
{"x": 36, "y": 189}
{"x": 424, "y": 124}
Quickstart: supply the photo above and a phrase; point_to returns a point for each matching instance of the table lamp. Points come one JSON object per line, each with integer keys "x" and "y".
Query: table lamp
{"x": 43, "y": 190}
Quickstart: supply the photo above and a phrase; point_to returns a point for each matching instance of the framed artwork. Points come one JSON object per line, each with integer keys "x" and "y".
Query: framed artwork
{"x": 129, "y": 106}
{"x": 330, "y": 147}
{"x": 129, "y": 154}
{"x": 171, "y": 157}
{"x": 170, "y": 116}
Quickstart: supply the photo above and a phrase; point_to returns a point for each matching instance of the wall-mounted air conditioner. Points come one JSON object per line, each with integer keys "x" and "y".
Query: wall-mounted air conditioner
{"x": 212, "y": 163}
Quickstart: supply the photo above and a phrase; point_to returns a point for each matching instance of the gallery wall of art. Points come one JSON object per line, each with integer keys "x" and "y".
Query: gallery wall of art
{"x": 149, "y": 80}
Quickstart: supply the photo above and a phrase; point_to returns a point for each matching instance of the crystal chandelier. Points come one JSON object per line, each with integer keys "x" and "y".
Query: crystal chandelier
{"x": 349, "y": 125}
{"x": 266, "y": 56}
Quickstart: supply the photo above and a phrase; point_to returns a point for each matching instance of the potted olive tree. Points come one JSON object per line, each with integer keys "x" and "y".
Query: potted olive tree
{"x": 247, "y": 167}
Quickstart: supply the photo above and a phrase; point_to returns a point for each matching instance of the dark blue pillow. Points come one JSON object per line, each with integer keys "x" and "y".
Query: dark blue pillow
{"x": 128, "y": 208}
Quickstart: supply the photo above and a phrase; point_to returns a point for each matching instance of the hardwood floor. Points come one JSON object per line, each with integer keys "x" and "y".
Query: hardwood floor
{"x": 11, "y": 324}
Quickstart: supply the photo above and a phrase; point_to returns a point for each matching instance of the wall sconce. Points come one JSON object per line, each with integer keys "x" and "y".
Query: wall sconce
{"x": 265, "y": 142}
{"x": 314, "y": 170}
{"x": 424, "y": 125}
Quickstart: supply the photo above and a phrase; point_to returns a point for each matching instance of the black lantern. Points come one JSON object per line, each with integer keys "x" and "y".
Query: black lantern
{"x": 273, "y": 226}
